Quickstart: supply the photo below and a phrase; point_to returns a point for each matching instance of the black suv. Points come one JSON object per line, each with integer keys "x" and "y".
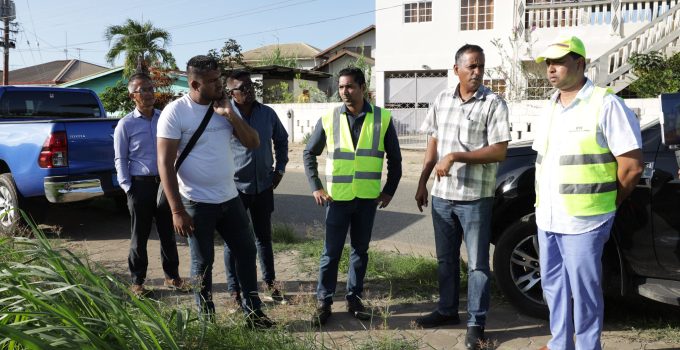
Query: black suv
{"x": 642, "y": 255}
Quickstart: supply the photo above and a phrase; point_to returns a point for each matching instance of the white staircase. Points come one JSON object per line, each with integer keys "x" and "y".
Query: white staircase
{"x": 661, "y": 34}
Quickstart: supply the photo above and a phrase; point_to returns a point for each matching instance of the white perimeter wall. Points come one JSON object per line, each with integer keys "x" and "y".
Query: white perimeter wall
{"x": 300, "y": 118}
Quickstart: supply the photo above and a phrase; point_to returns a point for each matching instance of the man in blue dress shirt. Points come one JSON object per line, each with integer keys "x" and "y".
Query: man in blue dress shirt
{"x": 134, "y": 142}
{"x": 256, "y": 177}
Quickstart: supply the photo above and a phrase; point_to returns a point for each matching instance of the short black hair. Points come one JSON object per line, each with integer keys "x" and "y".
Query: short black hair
{"x": 201, "y": 64}
{"x": 238, "y": 74}
{"x": 467, "y": 48}
{"x": 356, "y": 73}
{"x": 135, "y": 77}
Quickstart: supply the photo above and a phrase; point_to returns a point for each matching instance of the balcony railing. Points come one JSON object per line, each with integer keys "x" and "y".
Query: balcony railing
{"x": 569, "y": 13}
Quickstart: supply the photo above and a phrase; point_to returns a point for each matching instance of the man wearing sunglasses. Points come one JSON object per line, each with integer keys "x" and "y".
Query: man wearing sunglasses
{"x": 256, "y": 177}
{"x": 134, "y": 141}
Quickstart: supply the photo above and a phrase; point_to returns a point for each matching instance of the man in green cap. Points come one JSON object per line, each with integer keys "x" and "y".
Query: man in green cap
{"x": 589, "y": 160}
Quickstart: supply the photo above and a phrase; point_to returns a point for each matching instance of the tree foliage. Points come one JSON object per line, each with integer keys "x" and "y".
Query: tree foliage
{"x": 115, "y": 98}
{"x": 277, "y": 58}
{"x": 229, "y": 56}
{"x": 278, "y": 93}
{"x": 140, "y": 43}
{"x": 656, "y": 74}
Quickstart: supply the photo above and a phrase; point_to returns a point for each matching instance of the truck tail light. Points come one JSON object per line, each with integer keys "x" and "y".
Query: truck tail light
{"x": 54, "y": 153}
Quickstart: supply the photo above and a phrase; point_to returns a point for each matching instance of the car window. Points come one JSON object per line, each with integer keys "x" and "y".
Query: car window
{"x": 48, "y": 104}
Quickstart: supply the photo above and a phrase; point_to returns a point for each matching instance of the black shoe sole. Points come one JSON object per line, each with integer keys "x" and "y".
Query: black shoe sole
{"x": 439, "y": 324}
{"x": 363, "y": 316}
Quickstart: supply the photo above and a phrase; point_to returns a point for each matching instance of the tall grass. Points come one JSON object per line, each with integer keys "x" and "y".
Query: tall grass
{"x": 50, "y": 298}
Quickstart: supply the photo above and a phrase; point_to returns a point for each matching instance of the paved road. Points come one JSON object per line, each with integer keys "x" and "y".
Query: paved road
{"x": 400, "y": 224}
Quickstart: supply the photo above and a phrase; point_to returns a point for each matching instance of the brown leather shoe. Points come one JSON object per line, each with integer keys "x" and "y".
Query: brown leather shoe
{"x": 139, "y": 290}
{"x": 178, "y": 284}
{"x": 545, "y": 347}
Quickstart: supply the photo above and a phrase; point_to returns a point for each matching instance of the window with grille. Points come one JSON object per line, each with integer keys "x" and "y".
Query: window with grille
{"x": 496, "y": 85}
{"x": 539, "y": 89}
{"x": 476, "y": 14}
{"x": 418, "y": 12}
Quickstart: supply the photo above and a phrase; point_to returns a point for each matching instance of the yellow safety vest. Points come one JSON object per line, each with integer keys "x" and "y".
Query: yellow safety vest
{"x": 587, "y": 173}
{"x": 352, "y": 173}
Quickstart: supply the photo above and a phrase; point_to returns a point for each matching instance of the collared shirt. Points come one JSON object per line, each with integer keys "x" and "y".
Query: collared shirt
{"x": 255, "y": 167}
{"x": 317, "y": 143}
{"x": 464, "y": 127}
{"x": 618, "y": 130}
{"x": 134, "y": 144}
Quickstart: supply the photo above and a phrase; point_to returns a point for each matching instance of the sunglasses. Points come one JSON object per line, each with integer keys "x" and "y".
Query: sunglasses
{"x": 146, "y": 90}
{"x": 243, "y": 88}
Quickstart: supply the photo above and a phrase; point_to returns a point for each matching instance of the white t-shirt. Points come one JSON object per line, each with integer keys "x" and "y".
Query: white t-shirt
{"x": 207, "y": 174}
{"x": 619, "y": 130}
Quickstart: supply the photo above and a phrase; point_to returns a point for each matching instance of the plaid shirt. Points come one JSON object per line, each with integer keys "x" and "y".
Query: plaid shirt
{"x": 463, "y": 127}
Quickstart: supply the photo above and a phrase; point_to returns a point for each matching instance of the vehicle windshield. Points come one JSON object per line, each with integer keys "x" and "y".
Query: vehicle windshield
{"x": 48, "y": 104}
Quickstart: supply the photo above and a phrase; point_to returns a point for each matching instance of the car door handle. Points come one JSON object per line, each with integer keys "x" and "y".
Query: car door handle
{"x": 647, "y": 174}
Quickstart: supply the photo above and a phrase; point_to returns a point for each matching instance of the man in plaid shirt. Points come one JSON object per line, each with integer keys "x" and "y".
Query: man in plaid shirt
{"x": 469, "y": 133}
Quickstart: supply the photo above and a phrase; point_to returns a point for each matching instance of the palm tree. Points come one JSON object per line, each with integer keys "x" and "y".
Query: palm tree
{"x": 142, "y": 43}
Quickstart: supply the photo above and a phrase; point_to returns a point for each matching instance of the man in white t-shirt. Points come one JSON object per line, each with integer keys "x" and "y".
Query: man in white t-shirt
{"x": 203, "y": 196}
{"x": 589, "y": 160}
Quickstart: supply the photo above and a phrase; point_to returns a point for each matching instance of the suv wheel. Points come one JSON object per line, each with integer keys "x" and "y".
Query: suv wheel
{"x": 10, "y": 216}
{"x": 517, "y": 269}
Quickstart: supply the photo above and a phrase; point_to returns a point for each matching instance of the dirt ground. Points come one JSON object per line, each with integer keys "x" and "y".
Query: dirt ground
{"x": 101, "y": 231}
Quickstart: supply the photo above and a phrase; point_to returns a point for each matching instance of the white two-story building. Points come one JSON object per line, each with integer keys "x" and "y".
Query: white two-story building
{"x": 417, "y": 42}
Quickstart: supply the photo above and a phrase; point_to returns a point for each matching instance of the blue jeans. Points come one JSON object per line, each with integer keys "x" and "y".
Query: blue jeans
{"x": 260, "y": 207}
{"x": 454, "y": 221}
{"x": 571, "y": 275}
{"x": 230, "y": 221}
{"x": 356, "y": 215}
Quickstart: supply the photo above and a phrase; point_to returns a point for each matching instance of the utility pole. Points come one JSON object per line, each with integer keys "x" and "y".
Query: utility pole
{"x": 8, "y": 12}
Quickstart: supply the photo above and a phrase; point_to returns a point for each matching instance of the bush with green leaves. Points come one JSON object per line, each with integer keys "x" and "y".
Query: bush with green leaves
{"x": 656, "y": 74}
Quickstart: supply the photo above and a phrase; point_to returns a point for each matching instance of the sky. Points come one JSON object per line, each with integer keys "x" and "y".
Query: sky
{"x": 48, "y": 30}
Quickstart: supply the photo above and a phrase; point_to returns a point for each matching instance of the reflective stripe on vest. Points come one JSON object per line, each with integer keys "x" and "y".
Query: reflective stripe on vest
{"x": 354, "y": 173}
{"x": 587, "y": 171}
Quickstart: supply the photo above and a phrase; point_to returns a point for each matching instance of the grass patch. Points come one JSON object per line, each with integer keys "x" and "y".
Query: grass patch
{"x": 284, "y": 237}
{"x": 388, "y": 343}
{"x": 404, "y": 275}
{"x": 648, "y": 320}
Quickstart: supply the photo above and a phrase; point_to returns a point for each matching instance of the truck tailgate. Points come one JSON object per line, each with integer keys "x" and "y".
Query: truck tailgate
{"x": 90, "y": 144}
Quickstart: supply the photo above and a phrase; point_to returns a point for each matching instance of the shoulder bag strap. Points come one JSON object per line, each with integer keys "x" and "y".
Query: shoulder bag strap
{"x": 194, "y": 137}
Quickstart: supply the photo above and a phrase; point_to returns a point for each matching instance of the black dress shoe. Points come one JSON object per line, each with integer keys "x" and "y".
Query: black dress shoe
{"x": 258, "y": 320}
{"x": 358, "y": 310}
{"x": 321, "y": 314}
{"x": 474, "y": 339}
{"x": 435, "y": 319}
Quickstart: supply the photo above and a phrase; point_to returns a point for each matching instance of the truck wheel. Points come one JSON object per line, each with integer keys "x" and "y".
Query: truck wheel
{"x": 517, "y": 270}
{"x": 10, "y": 216}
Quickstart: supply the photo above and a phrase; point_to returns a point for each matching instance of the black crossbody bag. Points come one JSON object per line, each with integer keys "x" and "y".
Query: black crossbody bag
{"x": 161, "y": 200}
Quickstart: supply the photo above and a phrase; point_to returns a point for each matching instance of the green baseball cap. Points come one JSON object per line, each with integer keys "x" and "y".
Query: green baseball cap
{"x": 562, "y": 46}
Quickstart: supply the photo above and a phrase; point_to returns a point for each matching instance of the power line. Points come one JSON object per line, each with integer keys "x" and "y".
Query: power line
{"x": 216, "y": 19}
{"x": 30, "y": 15}
{"x": 254, "y": 10}
{"x": 289, "y": 27}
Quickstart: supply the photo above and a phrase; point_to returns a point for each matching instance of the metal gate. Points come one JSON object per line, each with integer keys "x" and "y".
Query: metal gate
{"x": 409, "y": 95}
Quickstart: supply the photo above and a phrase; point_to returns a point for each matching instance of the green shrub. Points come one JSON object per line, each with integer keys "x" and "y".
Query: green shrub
{"x": 50, "y": 298}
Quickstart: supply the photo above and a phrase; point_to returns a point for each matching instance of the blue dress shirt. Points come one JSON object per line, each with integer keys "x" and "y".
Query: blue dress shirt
{"x": 255, "y": 167}
{"x": 134, "y": 144}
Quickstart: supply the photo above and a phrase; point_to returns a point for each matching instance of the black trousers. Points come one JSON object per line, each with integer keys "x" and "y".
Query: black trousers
{"x": 141, "y": 200}
{"x": 260, "y": 206}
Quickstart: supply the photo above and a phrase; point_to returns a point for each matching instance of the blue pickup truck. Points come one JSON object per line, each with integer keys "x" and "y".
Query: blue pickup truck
{"x": 56, "y": 145}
